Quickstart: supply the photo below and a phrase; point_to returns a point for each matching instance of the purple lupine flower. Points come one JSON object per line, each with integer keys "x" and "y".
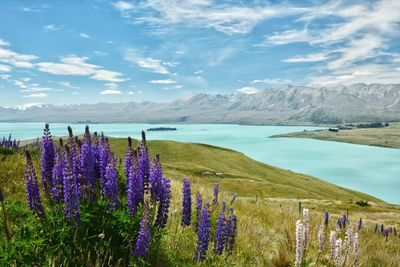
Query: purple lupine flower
{"x": 199, "y": 206}
{"x": 215, "y": 199}
{"x": 163, "y": 203}
{"x": 231, "y": 231}
{"x": 96, "y": 149}
{"x": 144, "y": 163}
{"x": 74, "y": 159}
{"x": 58, "y": 175}
{"x": 220, "y": 237}
{"x": 360, "y": 223}
{"x": 47, "y": 160}
{"x": 111, "y": 184}
{"x": 71, "y": 191}
{"x": 344, "y": 220}
{"x": 128, "y": 157}
{"x": 386, "y": 233}
{"x": 326, "y": 219}
{"x": 186, "y": 203}
{"x": 203, "y": 234}
{"x": 32, "y": 188}
{"x": 339, "y": 222}
{"x": 156, "y": 176}
{"x": 87, "y": 162}
{"x": 376, "y": 228}
{"x": 134, "y": 187}
{"x": 223, "y": 206}
{"x": 144, "y": 237}
{"x": 104, "y": 158}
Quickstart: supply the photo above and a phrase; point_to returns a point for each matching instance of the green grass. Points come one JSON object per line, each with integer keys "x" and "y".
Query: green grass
{"x": 267, "y": 206}
{"x": 383, "y": 137}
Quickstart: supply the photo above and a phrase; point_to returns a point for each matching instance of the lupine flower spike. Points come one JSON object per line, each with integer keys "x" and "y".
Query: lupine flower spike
{"x": 230, "y": 232}
{"x": 164, "y": 203}
{"x": 144, "y": 237}
{"x": 321, "y": 238}
{"x": 299, "y": 243}
{"x": 356, "y": 249}
{"x": 199, "y": 205}
{"x": 219, "y": 240}
{"x": 58, "y": 175}
{"x": 306, "y": 219}
{"x": 332, "y": 242}
{"x": 326, "y": 219}
{"x": 338, "y": 252}
{"x": 203, "y": 235}
{"x": 215, "y": 199}
{"x": 32, "y": 188}
{"x": 186, "y": 203}
{"x": 47, "y": 160}
{"x": 71, "y": 191}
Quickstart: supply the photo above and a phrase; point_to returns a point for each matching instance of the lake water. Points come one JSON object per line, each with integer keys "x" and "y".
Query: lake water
{"x": 372, "y": 170}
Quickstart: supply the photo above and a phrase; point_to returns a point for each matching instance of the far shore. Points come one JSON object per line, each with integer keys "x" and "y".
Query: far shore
{"x": 382, "y": 137}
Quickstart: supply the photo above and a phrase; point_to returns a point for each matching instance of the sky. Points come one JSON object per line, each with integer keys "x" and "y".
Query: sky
{"x": 90, "y": 51}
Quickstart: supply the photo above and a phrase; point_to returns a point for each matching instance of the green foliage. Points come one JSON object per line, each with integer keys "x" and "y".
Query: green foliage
{"x": 103, "y": 237}
{"x": 362, "y": 203}
{"x": 6, "y": 151}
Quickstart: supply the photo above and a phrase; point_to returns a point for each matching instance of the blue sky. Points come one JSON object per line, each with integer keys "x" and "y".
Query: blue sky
{"x": 64, "y": 52}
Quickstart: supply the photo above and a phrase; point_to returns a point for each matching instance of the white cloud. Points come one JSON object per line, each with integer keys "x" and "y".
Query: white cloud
{"x": 4, "y": 43}
{"x": 123, "y": 5}
{"x": 147, "y": 63}
{"x": 38, "y": 95}
{"x": 106, "y": 75}
{"x": 84, "y": 35}
{"x": 247, "y": 90}
{"x": 111, "y": 89}
{"x": 110, "y": 92}
{"x": 5, "y": 68}
{"x": 131, "y": 93}
{"x": 362, "y": 73}
{"x": 28, "y": 105}
{"x": 166, "y": 81}
{"x": 353, "y": 38}
{"x": 77, "y": 66}
{"x": 68, "y": 85}
{"x": 225, "y": 17}
{"x": 52, "y": 28}
{"x": 273, "y": 81}
{"x": 8, "y": 56}
{"x": 308, "y": 58}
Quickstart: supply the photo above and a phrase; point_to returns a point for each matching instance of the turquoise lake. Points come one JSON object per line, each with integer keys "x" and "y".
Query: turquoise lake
{"x": 372, "y": 170}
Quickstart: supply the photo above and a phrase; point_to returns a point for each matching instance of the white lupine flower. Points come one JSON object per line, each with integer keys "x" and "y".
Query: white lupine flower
{"x": 321, "y": 238}
{"x": 356, "y": 249}
{"x": 338, "y": 252}
{"x": 332, "y": 242}
{"x": 348, "y": 241}
{"x": 306, "y": 219}
{"x": 299, "y": 242}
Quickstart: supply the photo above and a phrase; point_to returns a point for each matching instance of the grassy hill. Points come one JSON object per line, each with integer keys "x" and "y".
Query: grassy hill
{"x": 267, "y": 204}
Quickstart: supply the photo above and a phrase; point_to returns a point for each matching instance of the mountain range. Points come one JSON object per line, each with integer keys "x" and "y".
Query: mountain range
{"x": 284, "y": 105}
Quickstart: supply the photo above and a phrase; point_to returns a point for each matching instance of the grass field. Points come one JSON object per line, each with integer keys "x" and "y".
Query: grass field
{"x": 267, "y": 206}
{"x": 383, "y": 137}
